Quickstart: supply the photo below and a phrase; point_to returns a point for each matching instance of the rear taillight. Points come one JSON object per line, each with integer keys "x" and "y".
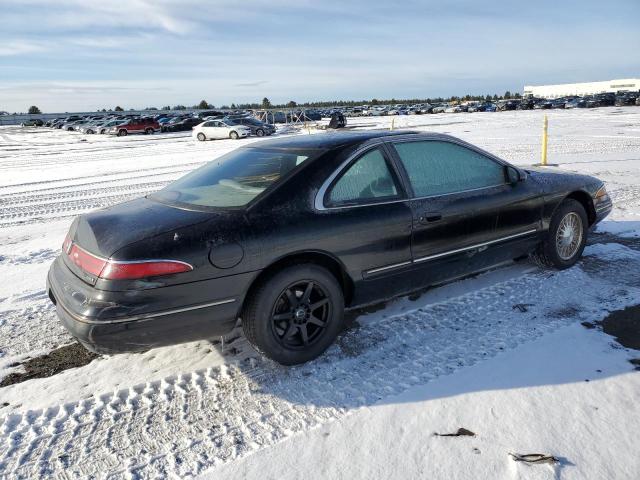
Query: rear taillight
{"x": 114, "y": 270}
{"x": 86, "y": 261}
{"x": 66, "y": 245}
{"x": 119, "y": 270}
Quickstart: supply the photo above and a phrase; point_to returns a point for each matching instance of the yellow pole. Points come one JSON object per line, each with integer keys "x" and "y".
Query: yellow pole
{"x": 545, "y": 129}
{"x": 392, "y": 121}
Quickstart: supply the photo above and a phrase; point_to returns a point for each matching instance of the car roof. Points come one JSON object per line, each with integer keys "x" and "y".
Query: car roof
{"x": 328, "y": 141}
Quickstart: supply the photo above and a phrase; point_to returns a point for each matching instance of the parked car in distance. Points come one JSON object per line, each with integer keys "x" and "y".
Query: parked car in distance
{"x": 52, "y": 122}
{"x": 71, "y": 126}
{"x": 286, "y": 233}
{"x": 182, "y": 125}
{"x": 210, "y": 113}
{"x": 32, "y": 122}
{"x": 606, "y": 99}
{"x": 90, "y": 128}
{"x": 258, "y": 128}
{"x": 135, "y": 125}
{"x": 507, "y": 105}
{"x": 576, "y": 103}
{"x": 626, "y": 99}
{"x": 219, "y": 129}
{"x": 592, "y": 102}
{"x": 102, "y": 129}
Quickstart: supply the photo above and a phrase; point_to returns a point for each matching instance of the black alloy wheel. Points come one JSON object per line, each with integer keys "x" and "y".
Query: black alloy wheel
{"x": 300, "y": 315}
{"x": 293, "y": 315}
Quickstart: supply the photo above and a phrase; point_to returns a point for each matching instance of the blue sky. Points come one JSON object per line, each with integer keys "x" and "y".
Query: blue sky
{"x": 70, "y": 55}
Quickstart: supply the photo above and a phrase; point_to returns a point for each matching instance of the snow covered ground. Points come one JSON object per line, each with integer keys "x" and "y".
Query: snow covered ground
{"x": 502, "y": 354}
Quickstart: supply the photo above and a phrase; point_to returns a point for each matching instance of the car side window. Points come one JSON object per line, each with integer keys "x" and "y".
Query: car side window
{"x": 438, "y": 168}
{"x": 368, "y": 179}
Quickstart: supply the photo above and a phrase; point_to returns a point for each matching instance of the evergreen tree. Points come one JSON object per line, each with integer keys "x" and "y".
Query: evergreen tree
{"x": 33, "y": 110}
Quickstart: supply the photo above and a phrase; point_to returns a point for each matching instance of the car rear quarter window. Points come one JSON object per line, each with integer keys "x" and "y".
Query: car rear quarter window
{"x": 234, "y": 179}
{"x": 368, "y": 179}
{"x": 439, "y": 168}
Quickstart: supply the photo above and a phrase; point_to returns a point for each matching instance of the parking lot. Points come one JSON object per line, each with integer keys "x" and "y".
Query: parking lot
{"x": 203, "y": 407}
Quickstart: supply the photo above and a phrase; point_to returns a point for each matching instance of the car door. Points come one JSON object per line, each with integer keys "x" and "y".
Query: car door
{"x": 368, "y": 218}
{"x": 134, "y": 126}
{"x": 459, "y": 194}
{"x": 206, "y": 128}
{"x": 218, "y": 130}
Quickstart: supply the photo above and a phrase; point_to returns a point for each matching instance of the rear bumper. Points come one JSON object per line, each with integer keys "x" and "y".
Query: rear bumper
{"x": 137, "y": 320}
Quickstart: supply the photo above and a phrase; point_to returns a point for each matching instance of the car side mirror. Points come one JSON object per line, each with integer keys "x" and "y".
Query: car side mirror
{"x": 513, "y": 175}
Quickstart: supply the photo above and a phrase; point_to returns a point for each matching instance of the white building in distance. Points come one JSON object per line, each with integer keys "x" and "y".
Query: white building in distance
{"x": 589, "y": 88}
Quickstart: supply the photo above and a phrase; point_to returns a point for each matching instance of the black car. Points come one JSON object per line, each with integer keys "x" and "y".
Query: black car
{"x": 32, "y": 122}
{"x": 286, "y": 233}
{"x": 504, "y": 106}
{"x": 181, "y": 125}
{"x": 258, "y": 128}
{"x": 626, "y": 99}
{"x": 606, "y": 99}
{"x": 543, "y": 105}
{"x": 527, "y": 103}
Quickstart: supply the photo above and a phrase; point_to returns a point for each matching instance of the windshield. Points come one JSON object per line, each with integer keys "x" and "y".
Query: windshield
{"x": 234, "y": 179}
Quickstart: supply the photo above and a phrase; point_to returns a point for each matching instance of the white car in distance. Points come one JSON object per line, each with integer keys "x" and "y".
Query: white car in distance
{"x": 218, "y": 129}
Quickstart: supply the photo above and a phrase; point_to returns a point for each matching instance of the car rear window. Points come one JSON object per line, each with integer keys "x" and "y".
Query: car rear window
{"x": 234, "y": 179}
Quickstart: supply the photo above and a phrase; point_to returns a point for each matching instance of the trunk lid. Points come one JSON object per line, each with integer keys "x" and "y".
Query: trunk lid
{"x": 102, "y": 233}
{"x": 106, "y": 231}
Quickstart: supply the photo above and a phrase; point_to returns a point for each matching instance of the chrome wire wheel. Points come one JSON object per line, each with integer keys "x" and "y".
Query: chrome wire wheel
{"x": 300, "y": 315}
{"x": 569, "y": 236}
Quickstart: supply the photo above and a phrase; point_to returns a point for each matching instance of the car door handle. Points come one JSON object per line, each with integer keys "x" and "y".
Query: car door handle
{"x": 430, "y": 217}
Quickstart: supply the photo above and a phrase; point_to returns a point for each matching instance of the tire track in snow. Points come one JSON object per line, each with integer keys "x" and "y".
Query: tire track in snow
{"x": 32, "y": 329}
{"x": 99, "y": 179}
{"x": 68, "y": 203}
{"x": 185, "y": 424}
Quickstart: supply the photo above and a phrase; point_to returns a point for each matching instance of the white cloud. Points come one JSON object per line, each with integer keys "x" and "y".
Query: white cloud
{"x": 19, "y": 48}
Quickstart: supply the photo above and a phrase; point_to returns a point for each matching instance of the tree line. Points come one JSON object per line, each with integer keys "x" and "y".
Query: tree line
{"x": 266, "y": 103}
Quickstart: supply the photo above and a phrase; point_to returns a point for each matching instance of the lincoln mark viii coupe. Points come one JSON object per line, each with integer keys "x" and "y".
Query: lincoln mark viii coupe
{"x": 285, "y": 234}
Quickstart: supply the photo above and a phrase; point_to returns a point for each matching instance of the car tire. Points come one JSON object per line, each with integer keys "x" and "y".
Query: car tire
{"x": 122, "y": 133}
{"x": 149, "y": 131}
{"x": 201, "y": 136}
{"x": 234, "y": 135}
{"x": 260, "y": 132}
{"x": 279, "y": 318}
{"x": 566, "y": 237}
